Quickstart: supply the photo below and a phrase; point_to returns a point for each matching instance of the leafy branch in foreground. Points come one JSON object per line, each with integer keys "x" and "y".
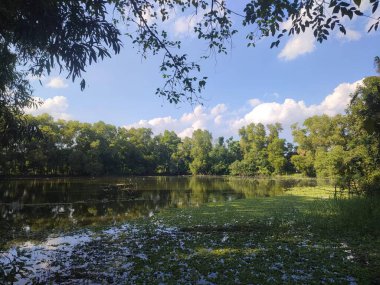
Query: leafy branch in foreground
{"x": 71, "y": 35}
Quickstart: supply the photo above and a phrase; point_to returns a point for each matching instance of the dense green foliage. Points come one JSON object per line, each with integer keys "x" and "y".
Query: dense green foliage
{"x": 343, "y": 147}
{"x": 74, "y": 148}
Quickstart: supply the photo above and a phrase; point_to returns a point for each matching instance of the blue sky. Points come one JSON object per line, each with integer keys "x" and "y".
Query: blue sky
{"x": 298, "y": 79}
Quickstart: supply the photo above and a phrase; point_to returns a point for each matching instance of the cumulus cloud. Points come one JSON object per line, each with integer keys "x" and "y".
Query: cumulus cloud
{"x": 218, "y": 109}
{"x": 224, "y": 122}
{"x": 212, "y": 119}
{"x": 56, "y": 82}
{"x": 56, "y": 107}
{"x": 298, "y": 45}
{"x": 292, "y": 111}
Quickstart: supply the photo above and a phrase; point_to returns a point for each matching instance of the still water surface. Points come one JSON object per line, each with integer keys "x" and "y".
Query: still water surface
{"x": 32, "y": 208}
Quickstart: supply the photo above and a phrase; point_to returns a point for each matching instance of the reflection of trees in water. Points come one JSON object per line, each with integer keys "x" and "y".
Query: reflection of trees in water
{"x": 270, "y": 187}
{"x": 38, "y": 191}
{"x": 255, "y": 188}
{"x": 32, "y": 207}
{"x": 209, "y": 189}
{"x": 43, "y": 220}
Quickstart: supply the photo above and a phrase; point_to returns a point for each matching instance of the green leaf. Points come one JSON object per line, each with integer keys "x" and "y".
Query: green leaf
{"x": 82, "y": 84}
{"x": 374, "y": 7}
{"x": 336, "y": 9}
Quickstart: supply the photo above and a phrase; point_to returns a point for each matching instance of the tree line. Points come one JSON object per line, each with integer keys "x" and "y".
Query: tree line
{"x": 75, "y": 148}
{"x": 343, "y": 147}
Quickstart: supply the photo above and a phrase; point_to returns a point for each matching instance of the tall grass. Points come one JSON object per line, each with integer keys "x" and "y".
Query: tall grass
{"x": 355, "y": 215}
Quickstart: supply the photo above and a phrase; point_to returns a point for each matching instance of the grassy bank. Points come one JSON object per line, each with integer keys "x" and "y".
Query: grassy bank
{"x": 302, "y": 237}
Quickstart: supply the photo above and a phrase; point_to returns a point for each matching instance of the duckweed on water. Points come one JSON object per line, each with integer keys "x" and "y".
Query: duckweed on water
{"x": 290, "y": 239}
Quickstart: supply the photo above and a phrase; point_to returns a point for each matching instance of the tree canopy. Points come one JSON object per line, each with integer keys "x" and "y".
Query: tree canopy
{"x": 37, "y": 37}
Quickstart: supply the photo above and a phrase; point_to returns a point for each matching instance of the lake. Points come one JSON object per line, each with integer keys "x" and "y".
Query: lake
{"x": 35, "y": 208}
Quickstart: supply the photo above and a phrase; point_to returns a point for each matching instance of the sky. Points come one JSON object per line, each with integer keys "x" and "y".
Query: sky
{"x": 299, "y": 79}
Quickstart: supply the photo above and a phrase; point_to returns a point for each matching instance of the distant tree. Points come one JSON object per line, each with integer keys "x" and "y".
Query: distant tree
{"x": 276, "y": 149}
{"x": 290, "y": 151}
{"x": 201, "y": 147}
{"x": 330, "y": 164}
{"x": 166, "y": 145}
{"x": 181, "y": 158}
{"x": 219, "y": 158}
{"x": 234, "y": 150}
{"x": 254, "y": 142}
{"x": 274, "y": 131}
{"x": 276, "y": 155}
{"x": 318, "y": 134}
{"x": 141, "y": 158}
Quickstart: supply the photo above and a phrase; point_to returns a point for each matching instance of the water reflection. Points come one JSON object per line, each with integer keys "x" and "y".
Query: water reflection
{"x": 29, "y": 208}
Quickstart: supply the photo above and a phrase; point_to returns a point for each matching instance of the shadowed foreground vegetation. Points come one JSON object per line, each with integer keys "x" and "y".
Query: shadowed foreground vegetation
{"x": 302, "y": 237}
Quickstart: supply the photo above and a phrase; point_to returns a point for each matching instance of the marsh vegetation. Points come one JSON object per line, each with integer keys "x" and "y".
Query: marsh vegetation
{"x": 191, "y": 230}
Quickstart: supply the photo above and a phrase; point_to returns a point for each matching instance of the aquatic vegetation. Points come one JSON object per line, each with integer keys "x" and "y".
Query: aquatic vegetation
{"x": 284, "y": 239}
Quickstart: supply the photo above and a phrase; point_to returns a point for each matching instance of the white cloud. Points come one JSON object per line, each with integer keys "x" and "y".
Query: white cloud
{"x": 292, "y": 111}
{"x": 184, "y": 25}
{"x": 254, "y": 102}
{"x": 298, "y": 45}
{"x": 160, "y": 121}
{"x": 218, "y": 119}
{"x": 56, "y": 107}
{"x": 56, "y": 82}
{"x": 224, "y": 122}
{"x": 218, "y": 109}
{"x": 200, "y": 118}
{"x": 305, "y": 42}
{"x": 188, "y": 132}
{"x": 351, "y": 35}
{"x": 151, "y": 15}
{"x": 337, "y": 101}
